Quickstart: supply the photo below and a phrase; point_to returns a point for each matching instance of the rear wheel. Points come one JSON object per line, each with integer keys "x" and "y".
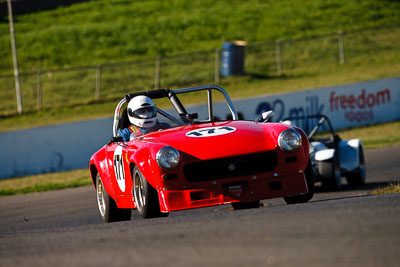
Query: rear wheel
{"x": 246, "y": 205}
{"x": 146, "y": 197}
{"x": 108, "y": 209}
{"x": 358, "y": 178}
{"x": 309, "y": 174}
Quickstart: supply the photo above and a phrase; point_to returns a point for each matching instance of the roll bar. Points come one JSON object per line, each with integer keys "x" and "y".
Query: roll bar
{"x": 321, "y": 119}
{"x": 172, "y": 95}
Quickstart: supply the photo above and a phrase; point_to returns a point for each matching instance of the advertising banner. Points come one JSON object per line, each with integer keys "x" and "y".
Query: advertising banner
{"x": 346, "y": 106}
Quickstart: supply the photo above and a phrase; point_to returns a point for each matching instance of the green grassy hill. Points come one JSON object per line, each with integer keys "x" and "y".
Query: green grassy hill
{"x": 97, "y": 32}
{"x": 102, "y": 31}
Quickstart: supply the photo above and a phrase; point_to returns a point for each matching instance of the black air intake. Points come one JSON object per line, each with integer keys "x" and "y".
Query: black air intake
{"x": 231, "y": 166}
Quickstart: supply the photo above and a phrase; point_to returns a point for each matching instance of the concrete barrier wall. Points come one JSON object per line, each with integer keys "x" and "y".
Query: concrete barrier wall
{"x": 70, "y": 146}
{"x": 52, "y": 148}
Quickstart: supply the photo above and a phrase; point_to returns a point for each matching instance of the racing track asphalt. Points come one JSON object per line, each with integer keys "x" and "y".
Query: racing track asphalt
{"x": 346, "y": 228}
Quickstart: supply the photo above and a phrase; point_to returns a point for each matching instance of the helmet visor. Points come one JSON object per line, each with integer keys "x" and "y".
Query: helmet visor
{"x": 143, "y": 113}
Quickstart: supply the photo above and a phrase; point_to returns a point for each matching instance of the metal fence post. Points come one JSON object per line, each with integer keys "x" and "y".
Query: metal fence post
{"x": 341, "y": 49}
{"x": 217, "y": 65}
{"x": 157, "y": 73}
{"x": 98, "y": 83}
{"x": 39, "y": 88}
{"x": 278, "y": 58}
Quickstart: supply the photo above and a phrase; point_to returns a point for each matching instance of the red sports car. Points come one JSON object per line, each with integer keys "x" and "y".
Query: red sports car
{"x": 198, "y": 160}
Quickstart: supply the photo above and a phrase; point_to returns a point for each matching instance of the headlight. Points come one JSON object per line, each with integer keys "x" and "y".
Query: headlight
{"x": 289, "y": 140}
{"x": 168, "y": 157}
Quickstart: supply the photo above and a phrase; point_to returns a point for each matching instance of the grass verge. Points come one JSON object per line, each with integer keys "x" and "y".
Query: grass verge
{"x": 390, "y": 189}
{"x": 45, "y": 182}
{"x": 376, "y": 136}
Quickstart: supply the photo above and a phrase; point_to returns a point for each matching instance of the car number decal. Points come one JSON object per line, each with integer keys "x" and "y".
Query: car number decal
{"x": 119, "y": 168}
{"x": 211, "y": 131}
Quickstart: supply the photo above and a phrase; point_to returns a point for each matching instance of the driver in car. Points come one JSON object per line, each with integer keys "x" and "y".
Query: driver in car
{"x": 142, "y": 116}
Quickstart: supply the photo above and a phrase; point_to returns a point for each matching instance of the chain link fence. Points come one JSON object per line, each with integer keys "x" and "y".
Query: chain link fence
{"x": 85, "y": 84}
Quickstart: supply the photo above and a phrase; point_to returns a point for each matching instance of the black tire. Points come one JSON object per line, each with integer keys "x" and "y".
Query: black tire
{"x": 146, "y": 197}
{"x": 108, "y": 209}
{"x": 355, "y": 179}
{"x": 309, "y": 174}
{"x": 358, "y": 178}
{"x": 246, "y": 205}
{"x": 330, "y": 174}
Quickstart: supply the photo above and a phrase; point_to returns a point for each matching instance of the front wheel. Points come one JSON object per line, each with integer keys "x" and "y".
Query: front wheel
{"x": 146, "y": 197}
{"x": 358, "y": 178}
{"x": 108, "y": 209}
{"x": 330, "y": 174}
{"x": 309, "y": 175}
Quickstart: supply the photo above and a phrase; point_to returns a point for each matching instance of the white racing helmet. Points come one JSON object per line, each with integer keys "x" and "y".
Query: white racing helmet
{"x": 142, "y": 112}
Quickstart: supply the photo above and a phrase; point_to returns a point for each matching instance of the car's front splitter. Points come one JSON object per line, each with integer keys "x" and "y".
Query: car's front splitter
{"x": 239, "y": 191}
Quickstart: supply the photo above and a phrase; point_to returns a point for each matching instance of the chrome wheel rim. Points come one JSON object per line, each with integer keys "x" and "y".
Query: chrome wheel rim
{"x": 101, "y": 198}
{"x": 138, "y": 191}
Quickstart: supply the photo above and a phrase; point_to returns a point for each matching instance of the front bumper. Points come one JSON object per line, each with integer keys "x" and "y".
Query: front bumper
{"x": 253, "y": 188}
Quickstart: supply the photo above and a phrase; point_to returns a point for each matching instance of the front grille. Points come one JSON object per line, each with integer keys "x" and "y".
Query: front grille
{"x": 230, "y": 167}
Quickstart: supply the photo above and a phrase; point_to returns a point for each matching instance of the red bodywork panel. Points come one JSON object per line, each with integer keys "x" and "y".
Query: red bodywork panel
{"x": 281, "y": 174}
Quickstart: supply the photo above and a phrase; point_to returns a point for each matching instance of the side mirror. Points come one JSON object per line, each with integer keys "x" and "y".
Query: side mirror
{"x": 192, "y": 116}
{"x": 265, "y": 116}
{"x": 189, "y": 117}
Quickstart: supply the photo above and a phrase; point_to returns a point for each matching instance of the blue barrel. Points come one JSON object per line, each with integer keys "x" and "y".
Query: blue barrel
{"x": 232, "y": 58}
